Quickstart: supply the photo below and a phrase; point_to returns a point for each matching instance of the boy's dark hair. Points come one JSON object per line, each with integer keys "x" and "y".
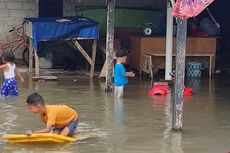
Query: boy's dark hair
{"x": 35, "y": 99}
{"x": 121, "y": 53}
{"x": 8, "y": 56}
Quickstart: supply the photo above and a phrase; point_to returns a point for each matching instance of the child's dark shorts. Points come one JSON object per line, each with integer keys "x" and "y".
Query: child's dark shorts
{"x": 72, "y": 128}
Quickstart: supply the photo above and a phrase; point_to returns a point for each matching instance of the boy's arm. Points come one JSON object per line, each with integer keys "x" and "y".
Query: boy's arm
{"x": 19, "y": 74}
{"x": 129, "y": 74}
{"x": 47, "y": 129}
{"x": 126, "y": 74}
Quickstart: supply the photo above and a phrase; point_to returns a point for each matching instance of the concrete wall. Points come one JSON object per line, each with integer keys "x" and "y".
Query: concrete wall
{"x": 12, "y": 13}
{"x": 69, "y": 7}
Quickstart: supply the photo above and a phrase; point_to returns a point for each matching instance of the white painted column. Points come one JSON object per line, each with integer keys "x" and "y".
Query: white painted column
{"x": 169, "y": 42}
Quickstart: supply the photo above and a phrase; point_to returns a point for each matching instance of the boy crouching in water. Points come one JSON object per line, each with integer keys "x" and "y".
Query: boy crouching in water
{"x": 60, "y": 118}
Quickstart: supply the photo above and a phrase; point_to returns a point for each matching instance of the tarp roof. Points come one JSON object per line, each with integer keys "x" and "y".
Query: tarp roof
{"x": 55, "y": 28}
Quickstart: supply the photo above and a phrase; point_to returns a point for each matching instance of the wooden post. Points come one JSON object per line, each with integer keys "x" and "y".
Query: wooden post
{"x": 169, "y": 43}
{"x": 94, "y": 51}
{"x": 31, "y": 50}
{"x": 109, "y": 44}
{"x": 30, "y": 79}
{"x": 36, "y": 64}
{"x": 180, "y": 73}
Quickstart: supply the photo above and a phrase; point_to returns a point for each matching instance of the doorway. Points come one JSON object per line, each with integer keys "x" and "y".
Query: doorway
{"x": 50, "y": 8}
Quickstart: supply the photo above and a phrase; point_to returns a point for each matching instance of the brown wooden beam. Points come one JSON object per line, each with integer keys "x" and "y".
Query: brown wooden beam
{"x": 82, "y": 51}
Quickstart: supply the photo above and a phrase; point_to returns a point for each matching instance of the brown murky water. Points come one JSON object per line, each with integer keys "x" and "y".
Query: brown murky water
{"x": 136, "y": 124}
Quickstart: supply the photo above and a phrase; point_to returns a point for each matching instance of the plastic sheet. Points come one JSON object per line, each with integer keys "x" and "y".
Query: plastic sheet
{"x": 59, "y": 28}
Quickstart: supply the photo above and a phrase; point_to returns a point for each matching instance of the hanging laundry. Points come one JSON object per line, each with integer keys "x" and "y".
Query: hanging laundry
{"x": 185, "y": 9}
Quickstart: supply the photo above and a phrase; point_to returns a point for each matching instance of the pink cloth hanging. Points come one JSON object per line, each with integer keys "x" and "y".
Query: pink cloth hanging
{"x": 185, "y": 9}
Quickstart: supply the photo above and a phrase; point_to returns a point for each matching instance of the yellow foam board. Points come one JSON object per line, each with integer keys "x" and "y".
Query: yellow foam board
{"x": 43, "y": 137}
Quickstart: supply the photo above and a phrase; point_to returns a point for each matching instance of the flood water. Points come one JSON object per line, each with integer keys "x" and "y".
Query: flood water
{"x": 135, "y": 124}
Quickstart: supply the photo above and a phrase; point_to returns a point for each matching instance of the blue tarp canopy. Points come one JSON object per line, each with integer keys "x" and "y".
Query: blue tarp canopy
{"x": 56, "y": 28}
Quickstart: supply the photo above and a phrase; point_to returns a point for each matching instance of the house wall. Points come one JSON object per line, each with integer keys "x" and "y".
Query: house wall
{"x": 12, "y": 12}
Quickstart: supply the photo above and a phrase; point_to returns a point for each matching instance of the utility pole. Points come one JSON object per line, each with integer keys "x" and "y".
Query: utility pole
{"x": 177, "y": 120}
{"x": 110, "y": 44}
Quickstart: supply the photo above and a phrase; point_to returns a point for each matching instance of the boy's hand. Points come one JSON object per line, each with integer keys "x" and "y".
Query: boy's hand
{"x": 131, "y": 74}
{"x": 28, "y": 133}
{"x": 22, "y": 80}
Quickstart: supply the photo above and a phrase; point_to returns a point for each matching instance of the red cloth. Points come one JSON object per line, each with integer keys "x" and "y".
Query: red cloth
{"x": 188, "y": 91}
{"x": 158, "y": 90}
{"x": 185, "y": 9}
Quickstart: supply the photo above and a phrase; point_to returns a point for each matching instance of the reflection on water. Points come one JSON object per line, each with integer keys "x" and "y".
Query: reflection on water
{"x": 194, "y": 83}
{"x": 136, "y": 123}
{"x": 171, "y": 141}
{"x": 158, "y": 102}
{"x": 118, "y": 115}
{"x": 36, "y": 148}
{"x": 8, "y": 116}
{"x": 168, "y": 125}
{"x": 176, "y": 139}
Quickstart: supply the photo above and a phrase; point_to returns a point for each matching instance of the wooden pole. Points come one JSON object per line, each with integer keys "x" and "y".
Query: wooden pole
{"x": 169, "y": 42}
{"x": 180, "y": 73}
{"x": 30, "y": 82}
{"x": 109, "y": 44}
{"x": 94, "y": 52}
{"x": 37, "y": 73}
{"x": 31, "y": 50}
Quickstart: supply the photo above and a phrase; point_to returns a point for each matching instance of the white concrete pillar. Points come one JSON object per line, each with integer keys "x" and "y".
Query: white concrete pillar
{"x": 169, "y": 42}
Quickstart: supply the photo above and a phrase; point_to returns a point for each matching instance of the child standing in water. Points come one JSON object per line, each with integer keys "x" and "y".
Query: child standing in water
{"x": 120, "y": 74}
{"x": 10, "y": 85}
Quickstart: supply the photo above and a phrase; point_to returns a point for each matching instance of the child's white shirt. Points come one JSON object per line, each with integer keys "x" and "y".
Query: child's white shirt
{"x": 11, "y": 71}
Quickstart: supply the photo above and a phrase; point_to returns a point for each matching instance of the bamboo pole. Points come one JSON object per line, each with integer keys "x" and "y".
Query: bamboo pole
{"x": 180, "y": 73}
{"x": 110, "y": 44}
